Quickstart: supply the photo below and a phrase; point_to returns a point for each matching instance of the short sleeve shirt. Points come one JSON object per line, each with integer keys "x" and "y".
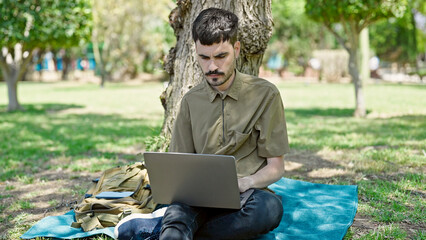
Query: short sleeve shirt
{"x": 247, "y": 122}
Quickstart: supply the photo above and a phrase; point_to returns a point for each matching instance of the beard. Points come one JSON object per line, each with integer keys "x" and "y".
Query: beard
{"x": 223, "y": 76}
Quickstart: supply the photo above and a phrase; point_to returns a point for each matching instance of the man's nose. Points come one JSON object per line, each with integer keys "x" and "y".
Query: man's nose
{"x": 212, "y": 66}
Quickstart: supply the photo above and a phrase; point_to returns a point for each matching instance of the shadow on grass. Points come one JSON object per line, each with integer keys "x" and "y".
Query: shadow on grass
{"x": 40, "y": 108}
{"x": 312, "y": 129}
{"x": 42, "y": 138}
{"x": 323, "y": 112}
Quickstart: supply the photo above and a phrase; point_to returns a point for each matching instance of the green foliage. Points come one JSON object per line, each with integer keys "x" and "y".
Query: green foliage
{"x": 295, "y": 35}
{"x": 355, "y": 11}
{"x": 397, "y": 39}
{"x": 45, "y": 23}
{"x": 132, "y": 37}
{"x": 155, "y": 143}
{"x": 352, "y": 16}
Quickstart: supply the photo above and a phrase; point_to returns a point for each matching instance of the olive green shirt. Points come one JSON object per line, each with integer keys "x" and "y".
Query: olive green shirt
{"x": 247, "y": 122}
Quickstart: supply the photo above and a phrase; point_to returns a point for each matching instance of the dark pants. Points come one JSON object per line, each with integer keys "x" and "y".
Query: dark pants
{"x": 261, "y": 214}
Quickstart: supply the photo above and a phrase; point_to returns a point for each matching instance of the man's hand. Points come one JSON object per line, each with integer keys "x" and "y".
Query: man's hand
{"x": 245, "y": 183}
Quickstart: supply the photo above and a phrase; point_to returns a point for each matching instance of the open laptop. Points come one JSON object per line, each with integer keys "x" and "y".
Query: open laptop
{"x": 200, "y": 180}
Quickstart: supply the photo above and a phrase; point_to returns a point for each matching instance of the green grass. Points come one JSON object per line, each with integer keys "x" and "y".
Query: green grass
{"x": 396, "y": 200}
{"x": 76, "y": 127}
{"x": 387, "y": 232}
{"x": 80, "y": 128}
{"x": 319, "y": 117}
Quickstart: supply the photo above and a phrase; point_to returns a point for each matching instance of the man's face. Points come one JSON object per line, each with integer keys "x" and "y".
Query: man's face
{"x": 218, "y": 62}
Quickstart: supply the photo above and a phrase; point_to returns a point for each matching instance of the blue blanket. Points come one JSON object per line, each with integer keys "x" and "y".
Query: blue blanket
{"x": 311, "y": 211}
{"x": 314, "y": 211}
{"x": 60, "y": 227}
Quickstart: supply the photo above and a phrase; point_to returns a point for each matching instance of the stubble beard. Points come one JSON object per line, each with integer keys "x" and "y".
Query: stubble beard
{"x": 215, "y": 82}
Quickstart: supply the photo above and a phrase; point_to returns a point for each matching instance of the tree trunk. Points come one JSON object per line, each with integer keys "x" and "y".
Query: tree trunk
{"x": 12, "y": 90}
{"x": 360, "y": 110}
{"x": 66, "y": 62}
{"x": 255, "y": 28}
{"x": 365, "y": 55}
{"x": 13, "y": 73}
{"x": 414, "y": 37}
{"x": 98, "y": 58}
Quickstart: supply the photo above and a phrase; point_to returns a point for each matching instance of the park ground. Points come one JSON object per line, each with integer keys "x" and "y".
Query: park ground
{"x": 70, "y": 132}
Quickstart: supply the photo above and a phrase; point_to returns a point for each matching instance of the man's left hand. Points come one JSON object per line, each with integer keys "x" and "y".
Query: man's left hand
{"x": 245, "y": 183}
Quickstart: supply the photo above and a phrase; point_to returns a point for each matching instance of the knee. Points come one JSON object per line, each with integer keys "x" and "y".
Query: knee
{"x": 268, "y": 210}
{"x": 275, "y": 208}
{"x": 175, "y": 213}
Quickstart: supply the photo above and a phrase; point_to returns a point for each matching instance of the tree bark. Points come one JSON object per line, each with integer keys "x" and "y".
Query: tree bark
{"x": 13, "y": 73}
{"x": 12, "y": 90}
{"x": 365, "y": 55}
{"x": 360, "y": 110}
{"x": 66, "y": 62}
{"x": 353, "y": 32}
{"x": 255, "y": 28}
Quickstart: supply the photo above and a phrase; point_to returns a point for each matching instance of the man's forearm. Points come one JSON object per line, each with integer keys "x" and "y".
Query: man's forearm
{"x": 272, "y": 172}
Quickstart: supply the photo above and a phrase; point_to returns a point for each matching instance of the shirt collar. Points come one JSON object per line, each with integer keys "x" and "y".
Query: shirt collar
{"x": 233, "y": 91}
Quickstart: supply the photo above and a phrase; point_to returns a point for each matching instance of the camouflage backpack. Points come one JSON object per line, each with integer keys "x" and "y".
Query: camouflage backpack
{"x": 125, "y": 191}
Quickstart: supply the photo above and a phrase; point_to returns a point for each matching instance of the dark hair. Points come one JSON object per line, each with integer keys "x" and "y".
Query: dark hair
{"x": 214, "y": 25}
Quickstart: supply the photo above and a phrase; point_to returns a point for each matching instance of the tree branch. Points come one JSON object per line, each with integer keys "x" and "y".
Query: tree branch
{"x": 4, "y": 67}
{"x": 339, "y": 38}
{"x": 24, "y": 65}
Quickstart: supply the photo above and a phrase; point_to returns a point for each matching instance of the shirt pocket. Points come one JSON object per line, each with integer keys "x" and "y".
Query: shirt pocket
{"x": 245, "y": 143}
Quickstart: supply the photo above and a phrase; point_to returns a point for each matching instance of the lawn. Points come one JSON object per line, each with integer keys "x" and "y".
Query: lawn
{"x": 70, "y": 132}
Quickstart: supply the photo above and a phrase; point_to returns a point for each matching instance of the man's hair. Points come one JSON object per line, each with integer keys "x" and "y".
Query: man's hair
{"x": 214, "y": 25}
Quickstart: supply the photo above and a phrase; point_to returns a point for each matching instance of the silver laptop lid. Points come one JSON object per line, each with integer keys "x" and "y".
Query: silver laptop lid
{"x": 200, "y": 180}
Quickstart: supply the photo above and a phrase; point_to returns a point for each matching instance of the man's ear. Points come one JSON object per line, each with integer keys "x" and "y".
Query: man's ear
{"x": 237, "y": 48}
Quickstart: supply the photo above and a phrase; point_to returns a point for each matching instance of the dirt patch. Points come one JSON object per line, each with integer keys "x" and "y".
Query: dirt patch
{"x": 50, "y": 193}
{"x": 308, "y": 165}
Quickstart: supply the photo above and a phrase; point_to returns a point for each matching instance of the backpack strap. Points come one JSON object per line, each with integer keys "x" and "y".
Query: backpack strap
{"x": 88, "y": 223}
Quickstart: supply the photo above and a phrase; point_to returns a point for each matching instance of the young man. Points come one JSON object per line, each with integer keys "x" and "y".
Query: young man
{"x": 229, "y": 113}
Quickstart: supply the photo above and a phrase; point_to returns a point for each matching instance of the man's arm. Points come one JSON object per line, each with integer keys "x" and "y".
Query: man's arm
{"x": 272, "y": 172}
{"x": 181, "y": 140}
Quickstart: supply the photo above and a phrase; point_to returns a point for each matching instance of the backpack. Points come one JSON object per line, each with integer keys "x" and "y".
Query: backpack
{"x": 93, "y": 212}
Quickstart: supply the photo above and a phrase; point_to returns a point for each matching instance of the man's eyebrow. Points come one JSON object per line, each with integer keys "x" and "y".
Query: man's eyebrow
{"x": 202, "y": 55}
{"x": 222, "y": 54}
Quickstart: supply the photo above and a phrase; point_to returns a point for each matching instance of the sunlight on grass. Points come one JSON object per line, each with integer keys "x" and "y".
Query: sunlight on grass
{"x": 20, "y": 225}
{"x": 79, "y": 128}
{"x": 392, "y": 231}
{"x": 394, "y": 201}
{"x": 78, "y": 122}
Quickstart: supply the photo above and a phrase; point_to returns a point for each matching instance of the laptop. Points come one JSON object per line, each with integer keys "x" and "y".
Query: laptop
{"x": 199, "y": 180}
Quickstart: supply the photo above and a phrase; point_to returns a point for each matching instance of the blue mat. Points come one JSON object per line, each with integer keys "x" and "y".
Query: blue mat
{"x": 60, "y": 227}
{"x": 311, "y": 211}
{"x": 314, "y": 211}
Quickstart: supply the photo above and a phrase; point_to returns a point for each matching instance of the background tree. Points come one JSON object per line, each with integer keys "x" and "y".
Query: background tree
{"x": 346, "y": 19}
{"x": 401, "y": 40}
{"x": 295, "y": 36}
{"x": 129, "y": 36}
{"x": 27, "y": 26}
{"x": 255, "y": 27}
